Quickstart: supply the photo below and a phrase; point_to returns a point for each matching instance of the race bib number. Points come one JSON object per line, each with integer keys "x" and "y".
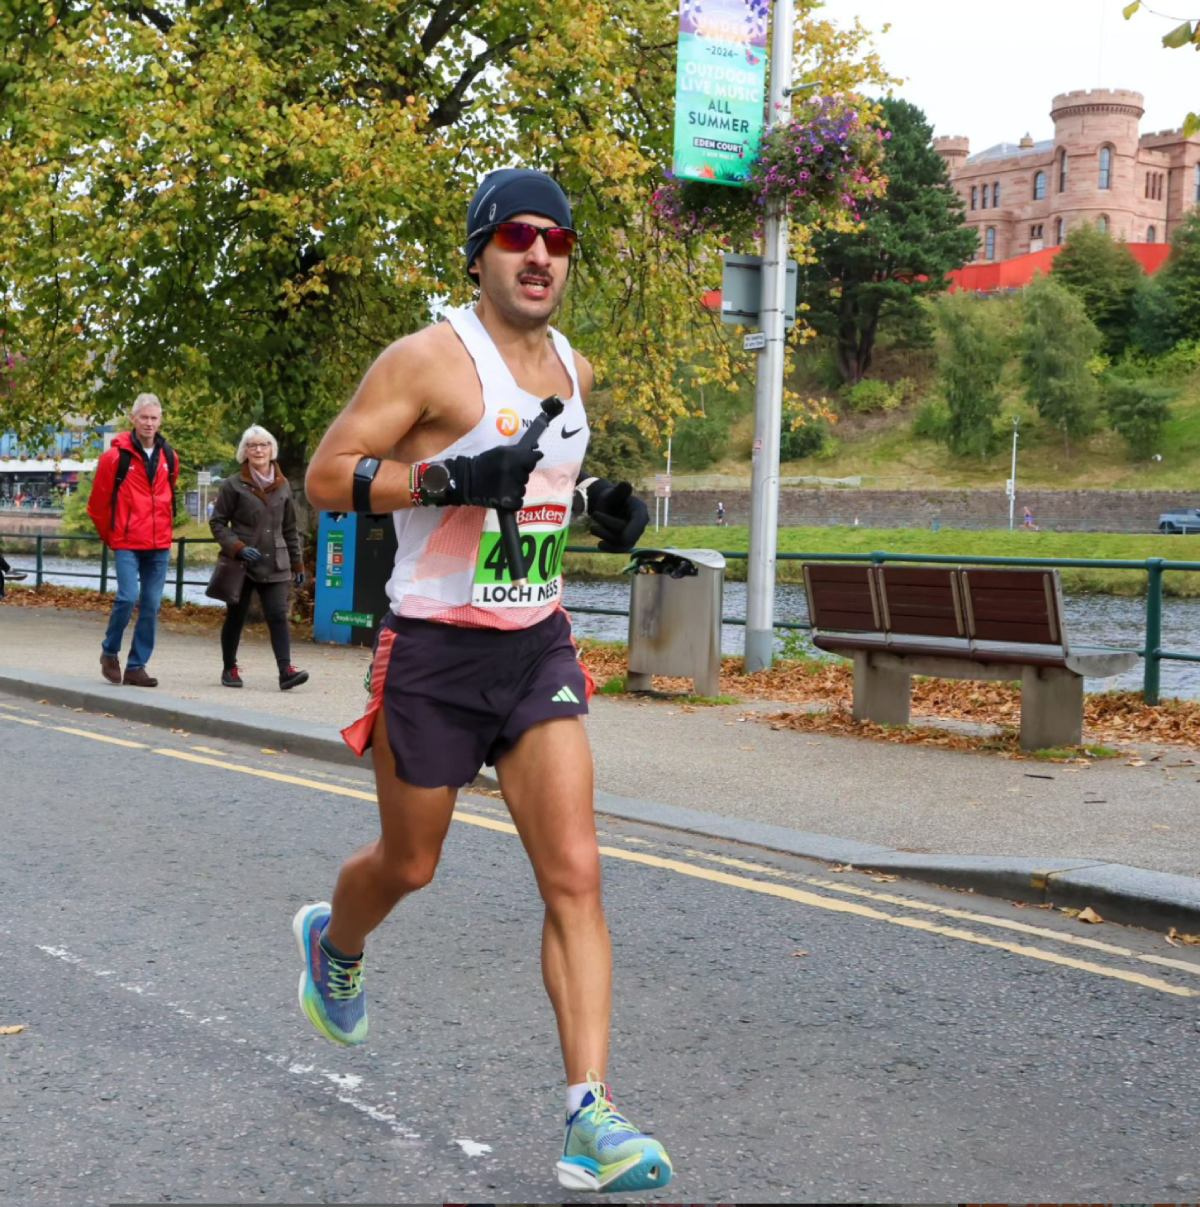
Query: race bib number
{"x": 543, "y": 528}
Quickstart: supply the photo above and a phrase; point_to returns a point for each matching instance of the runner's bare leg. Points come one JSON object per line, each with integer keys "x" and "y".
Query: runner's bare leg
{"x": 413, "y": 823}
{"x": 546, "y": 779}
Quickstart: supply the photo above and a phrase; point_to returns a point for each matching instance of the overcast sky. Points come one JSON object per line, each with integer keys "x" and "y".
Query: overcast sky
{"x": 990, "y": 70}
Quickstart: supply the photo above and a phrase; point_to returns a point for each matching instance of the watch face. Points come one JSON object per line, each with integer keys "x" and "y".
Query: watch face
{"x": 435, "y": 481}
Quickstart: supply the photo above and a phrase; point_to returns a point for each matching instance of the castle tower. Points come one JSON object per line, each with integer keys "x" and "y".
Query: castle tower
{"x": 954, "y": 149}
{"x": 1098, "y": 130}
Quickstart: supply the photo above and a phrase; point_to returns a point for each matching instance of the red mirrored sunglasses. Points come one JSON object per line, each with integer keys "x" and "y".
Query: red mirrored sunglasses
{"x": 520, "y": 236}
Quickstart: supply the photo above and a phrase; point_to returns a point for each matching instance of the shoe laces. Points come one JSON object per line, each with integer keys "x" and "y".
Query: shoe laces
{"x": 345, "y": 980}
{"x": 604, "y": 1114}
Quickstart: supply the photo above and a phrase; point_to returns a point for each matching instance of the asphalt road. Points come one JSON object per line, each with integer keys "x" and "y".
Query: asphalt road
{"x": 790, "y": 1032}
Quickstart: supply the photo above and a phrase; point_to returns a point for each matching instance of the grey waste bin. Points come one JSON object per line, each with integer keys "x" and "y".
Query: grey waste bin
{"x": 675, "y": 607}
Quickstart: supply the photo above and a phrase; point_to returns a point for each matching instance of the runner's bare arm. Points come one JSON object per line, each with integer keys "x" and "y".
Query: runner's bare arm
{"x": 587, "y": 377}
{"x": 387, "y": 405}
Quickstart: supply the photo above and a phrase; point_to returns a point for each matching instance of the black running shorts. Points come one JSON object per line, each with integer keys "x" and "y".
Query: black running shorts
{"x": 456, "y": 698}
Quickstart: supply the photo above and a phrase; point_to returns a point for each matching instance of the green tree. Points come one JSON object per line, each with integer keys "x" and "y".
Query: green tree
{"x": 238, "y": 205}
{"x": 970, "y": 364}
{"x": 910, "y": 239}
{"x": 1057, "y": 343}
{"x": 1179, "y": 278}
{"x": 1153, "y": 328}
{"x": 1139, "y": 411}
{"x": 1105, "y": 277}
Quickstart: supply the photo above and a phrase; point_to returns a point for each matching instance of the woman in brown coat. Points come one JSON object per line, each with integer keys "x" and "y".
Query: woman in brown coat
{"x": 254, "y": 519}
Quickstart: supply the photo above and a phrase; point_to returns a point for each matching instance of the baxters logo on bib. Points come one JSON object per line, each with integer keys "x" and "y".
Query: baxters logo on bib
{"x": 508, "y": 422}
{"x": 552, "y": 515}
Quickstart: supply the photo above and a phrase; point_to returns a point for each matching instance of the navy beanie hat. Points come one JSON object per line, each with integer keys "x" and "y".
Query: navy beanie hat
{"x": 505, "y": 193}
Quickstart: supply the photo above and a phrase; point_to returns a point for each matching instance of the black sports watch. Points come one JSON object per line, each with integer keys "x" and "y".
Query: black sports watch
{"x": 433, "y": 484}
{"x": 364, "y": 475}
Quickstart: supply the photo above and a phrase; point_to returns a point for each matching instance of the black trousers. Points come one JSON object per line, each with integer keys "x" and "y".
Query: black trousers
{"x": 274, "y": 600}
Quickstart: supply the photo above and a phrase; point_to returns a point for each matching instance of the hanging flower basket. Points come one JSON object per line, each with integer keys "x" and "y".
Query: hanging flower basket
{"x": 690, "y": 208}
{"x": 822, "y": 163}
{"x": 825, "y": 159}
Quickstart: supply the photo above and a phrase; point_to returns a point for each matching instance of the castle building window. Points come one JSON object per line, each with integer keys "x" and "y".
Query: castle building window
{"x": 1039, "y": 186}
{"x": 989, "y": 243}
{"x": 983, "y": 196}
{"x": 1102, "y": 223}
{"x": 1196, "y": 188}
{"x": 996, "y": 195}
{"x": 1151, "y": 235}
{"x": 1035, "y": 231}
{"x": 1062, "y": 171}
{"x": 1105, "y": 180}
{"x": 974, "y": 196}
{"x": 1059, "y": 229}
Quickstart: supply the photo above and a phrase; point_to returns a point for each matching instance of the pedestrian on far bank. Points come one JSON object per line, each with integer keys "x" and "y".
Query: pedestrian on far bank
{"x": 132, "y": 505}
{"x": 720, "y": 514}
{"x": 1027, "y": 520}
{"x": 254, "y": 519}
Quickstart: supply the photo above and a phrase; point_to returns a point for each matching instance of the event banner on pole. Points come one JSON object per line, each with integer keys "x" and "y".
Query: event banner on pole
{"x": 720, "y": 88}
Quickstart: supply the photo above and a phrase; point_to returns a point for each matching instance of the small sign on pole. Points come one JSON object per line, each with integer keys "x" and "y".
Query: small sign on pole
{"x": 203, "y": 477}
{"x": 754, "y": 342}
{"x": 741, "y": 291}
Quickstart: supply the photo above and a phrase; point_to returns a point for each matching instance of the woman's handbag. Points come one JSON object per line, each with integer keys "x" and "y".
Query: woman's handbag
{"x": 228, "y": 579}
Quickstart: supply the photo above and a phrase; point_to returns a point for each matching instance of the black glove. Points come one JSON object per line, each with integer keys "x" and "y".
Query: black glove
{"x": 298, "y": 578}
{"x": 496, "y": 478}
{"x": 250, "y": 555}
{"x": 614, "y": 513}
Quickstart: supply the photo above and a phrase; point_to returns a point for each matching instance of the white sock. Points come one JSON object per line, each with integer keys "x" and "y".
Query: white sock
{"x": 575, "y": 1095}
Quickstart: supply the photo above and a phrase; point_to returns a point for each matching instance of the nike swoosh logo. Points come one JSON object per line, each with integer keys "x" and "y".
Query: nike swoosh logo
{"x": 567, "y": 435}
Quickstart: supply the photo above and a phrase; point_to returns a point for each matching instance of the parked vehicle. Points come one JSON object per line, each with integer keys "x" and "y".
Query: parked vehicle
{"x": 1180, "y": 521}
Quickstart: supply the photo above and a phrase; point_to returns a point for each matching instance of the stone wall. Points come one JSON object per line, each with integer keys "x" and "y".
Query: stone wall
{"x": 27, "y": 522}
{"x": 1053, "y": 510}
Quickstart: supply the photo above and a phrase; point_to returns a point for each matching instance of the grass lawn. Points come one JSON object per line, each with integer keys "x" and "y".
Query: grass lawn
{"x": 952, "y": 542}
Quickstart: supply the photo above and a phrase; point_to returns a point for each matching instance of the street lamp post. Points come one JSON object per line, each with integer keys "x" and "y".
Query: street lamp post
{"x": 768, "y": 402}
{"x": 1012, "y": 481}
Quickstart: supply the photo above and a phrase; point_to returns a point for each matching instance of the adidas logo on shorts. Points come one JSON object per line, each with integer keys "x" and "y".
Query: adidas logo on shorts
{"x": 565, "y": 695}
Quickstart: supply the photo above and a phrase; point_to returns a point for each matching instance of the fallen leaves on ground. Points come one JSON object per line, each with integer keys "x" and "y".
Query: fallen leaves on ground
{"x": 1109, "y": 717}
{"x": 1175, "y": 938}
{"x": 187, "y": 617}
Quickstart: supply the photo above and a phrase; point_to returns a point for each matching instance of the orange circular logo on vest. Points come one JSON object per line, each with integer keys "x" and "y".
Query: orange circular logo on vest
{"x": 508, "y": 422}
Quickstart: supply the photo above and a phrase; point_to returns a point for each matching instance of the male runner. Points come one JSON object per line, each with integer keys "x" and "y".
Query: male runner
{"x": 470, "y": 668}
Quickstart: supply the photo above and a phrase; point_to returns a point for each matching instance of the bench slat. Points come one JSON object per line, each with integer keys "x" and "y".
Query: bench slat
{"x": 840, "y": 598}
{"x": 1012, "y": 605}
{"x": 921, "y": 601}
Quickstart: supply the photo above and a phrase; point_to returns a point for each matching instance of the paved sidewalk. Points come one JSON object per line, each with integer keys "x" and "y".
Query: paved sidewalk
{"x": 1121, "y": 835}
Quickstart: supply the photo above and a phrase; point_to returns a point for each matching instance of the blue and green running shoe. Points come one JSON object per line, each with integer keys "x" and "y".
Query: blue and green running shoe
{"x": 332, "y": 993}
{"x": 604, "y": 1151}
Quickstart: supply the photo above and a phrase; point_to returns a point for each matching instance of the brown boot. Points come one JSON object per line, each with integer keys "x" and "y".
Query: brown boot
{"x": 110, "y": 667}
{"x": 136, "y": 676}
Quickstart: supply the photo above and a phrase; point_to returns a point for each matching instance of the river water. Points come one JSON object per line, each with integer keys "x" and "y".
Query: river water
{"x": 1092, "y": 619}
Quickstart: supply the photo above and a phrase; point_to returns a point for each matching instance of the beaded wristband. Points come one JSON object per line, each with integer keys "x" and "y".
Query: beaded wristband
{"x": 416, "y": 471}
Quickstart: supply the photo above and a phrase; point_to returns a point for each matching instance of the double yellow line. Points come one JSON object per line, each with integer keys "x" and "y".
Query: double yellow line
{"x": 757, "y": 881}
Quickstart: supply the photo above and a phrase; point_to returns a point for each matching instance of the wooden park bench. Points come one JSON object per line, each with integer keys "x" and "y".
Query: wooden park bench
{"x": 959, "y": 622}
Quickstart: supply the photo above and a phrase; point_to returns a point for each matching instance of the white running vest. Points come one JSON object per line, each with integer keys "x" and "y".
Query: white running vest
{"x": 449, "y": 564}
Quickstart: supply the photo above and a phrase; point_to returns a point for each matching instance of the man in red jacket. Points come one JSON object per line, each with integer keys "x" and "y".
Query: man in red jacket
{"x": 134, "y": 518}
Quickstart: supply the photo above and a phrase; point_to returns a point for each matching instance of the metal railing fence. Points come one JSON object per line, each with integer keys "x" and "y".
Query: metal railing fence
{"x": 1151, "y": 651}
